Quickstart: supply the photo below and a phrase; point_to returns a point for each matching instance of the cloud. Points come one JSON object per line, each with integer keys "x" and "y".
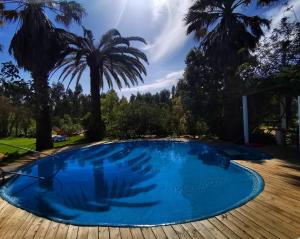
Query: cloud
{"x": 170, "y": 15}
{"x": 123, "y": 5}
{"x": 166, "y": 82}
{"x": 278, "y": 12}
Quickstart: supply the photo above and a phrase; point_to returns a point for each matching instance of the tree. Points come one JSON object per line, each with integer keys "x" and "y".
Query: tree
{"x": 201, "y": 90}
{"x": 16, "y": 99}
{"x": 112, "y": 59}
{"x": 227, "y": 36}
{"x": 37, "y": 46}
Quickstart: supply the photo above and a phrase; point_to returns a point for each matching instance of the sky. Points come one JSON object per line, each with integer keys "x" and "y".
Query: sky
{"x": 160, "y": 22}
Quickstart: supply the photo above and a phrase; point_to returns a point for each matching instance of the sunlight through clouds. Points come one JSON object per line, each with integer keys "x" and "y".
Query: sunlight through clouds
{"x": 168, "y": 15}
{"x": 158, "y": 6}
{"x": 123, "y": 4}
{"x": 166, "y": 21}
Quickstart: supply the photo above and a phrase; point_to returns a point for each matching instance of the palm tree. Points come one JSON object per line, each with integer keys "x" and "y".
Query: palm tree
{"x": 227, "y": 36}
{"x": 37, "y": 46}
{"x": 113, "y": 59}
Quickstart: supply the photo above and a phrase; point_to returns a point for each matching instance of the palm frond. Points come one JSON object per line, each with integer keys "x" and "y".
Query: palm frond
{"x": 107, "y": 37}
{"x": 70, "y": 11}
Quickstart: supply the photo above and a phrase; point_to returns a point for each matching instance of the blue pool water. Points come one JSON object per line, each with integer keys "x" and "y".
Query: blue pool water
{"x": 138, "y": 183}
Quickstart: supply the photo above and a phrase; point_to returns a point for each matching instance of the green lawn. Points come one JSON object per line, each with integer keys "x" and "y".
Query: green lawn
{"x": 30, "y": 143}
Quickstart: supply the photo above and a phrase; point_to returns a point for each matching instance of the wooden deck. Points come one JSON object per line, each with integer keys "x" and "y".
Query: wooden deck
{"x": 273, "y": 214}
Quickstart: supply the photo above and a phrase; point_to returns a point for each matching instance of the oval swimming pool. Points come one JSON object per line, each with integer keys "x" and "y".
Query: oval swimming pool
{"x": 136, "y": 183}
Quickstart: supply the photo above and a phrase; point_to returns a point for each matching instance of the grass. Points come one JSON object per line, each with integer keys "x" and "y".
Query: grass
{"x": 13, "y": 153}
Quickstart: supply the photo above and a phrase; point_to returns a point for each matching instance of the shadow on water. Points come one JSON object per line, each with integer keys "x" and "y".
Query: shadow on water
{"x": 222, "y": 155}
{"x": 48, "y": 169}
{"x": 209, "y": 156}
{"x": 44, "y": 206}
{"x": 116, "y": 175}
{"x": 113, "y": 176}
{"x": 236, "y": 152}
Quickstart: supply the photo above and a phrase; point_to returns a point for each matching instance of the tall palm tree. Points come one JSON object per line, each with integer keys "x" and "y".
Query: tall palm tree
{"x": 227, "y": 36}
{"x": 112, "y": 59}
{"x": 37, "y": 46}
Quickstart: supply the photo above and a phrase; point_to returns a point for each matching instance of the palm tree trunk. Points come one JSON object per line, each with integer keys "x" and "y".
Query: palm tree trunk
{"x": 96, "y": 127}
{"x": 42, "y": 111}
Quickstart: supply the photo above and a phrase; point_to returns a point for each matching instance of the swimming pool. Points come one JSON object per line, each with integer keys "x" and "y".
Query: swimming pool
{"x": 136, "y": 183}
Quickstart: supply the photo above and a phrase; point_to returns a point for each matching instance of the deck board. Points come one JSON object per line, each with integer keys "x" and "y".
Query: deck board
{"x": 22, "y": 230}
{"x": 125, "y": 233}
{"x": 103, "y": 232}
{"x": 181, "y": 232}
{"x": 72, "y": 232}
{"x": 275, "y": 213}
{"x": 137, "y": 233}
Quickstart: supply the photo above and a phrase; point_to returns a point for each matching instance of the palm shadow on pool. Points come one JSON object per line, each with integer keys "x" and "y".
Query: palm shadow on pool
{"x": 117, "y": 175}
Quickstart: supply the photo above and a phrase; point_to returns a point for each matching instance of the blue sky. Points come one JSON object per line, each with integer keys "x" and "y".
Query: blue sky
{"x": 160, "y": 22}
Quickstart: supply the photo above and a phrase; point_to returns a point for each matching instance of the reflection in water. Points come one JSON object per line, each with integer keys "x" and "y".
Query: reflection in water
{"x": 236, "y": 152}
{"x": 209, "y": 156}
{"x": 130, "y": 173}
{"x": 48, "y": 169}
{"x": 116, "y": 176}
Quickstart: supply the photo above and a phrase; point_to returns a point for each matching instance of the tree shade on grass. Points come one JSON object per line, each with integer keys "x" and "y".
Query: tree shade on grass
{"x": 19, "y": 142}
{"x": 30, "y": 143}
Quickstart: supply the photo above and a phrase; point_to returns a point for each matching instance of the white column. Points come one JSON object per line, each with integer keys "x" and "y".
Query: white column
{"x": 280, "y": 134}
{"x": 299, "y": 118}
{"x": 246, "y": 119}
{"x": 283, "y": 114}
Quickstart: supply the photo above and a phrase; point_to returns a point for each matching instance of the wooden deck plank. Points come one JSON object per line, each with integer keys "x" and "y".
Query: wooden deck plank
{"x": 62, "y": 231}
{"x": 24, "y": 227}
{"x": 72, "y": 232}
{"x": 83, "y": 233}
{"x": 6, "y": 213}
{"x": 192, "y": 231}
{"x": 148, "y": 233}
{"x": 170, "y": 233}
{"x": 12, "y": 224}
{"x": 93, "y": 233}
{"x": 53, "y": 227}
{"x": 203, "y": 230}
{"x": 137, "y": 233}
{"x": 213, "y": 230}
{"x": 252, "y": 224}
{"x": 2, "y": 204}
{"x": 181, "y": 232}
{"x": 244, "y": 226}
{"x": 230, "y": 224}
{"x": 277, "y": 219}
{"x": 279, "y": 211}
{"x": 114, "y": 233}
{"x": 222, "y": 227}
{"x": 159, "y": 233}
{"x": 264, "y": 223}
{"x": 32, "y": 230}
{"x": 103, "y": 232}
{"x": 125, "y": 233}
{"x": 41, "y": 233}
